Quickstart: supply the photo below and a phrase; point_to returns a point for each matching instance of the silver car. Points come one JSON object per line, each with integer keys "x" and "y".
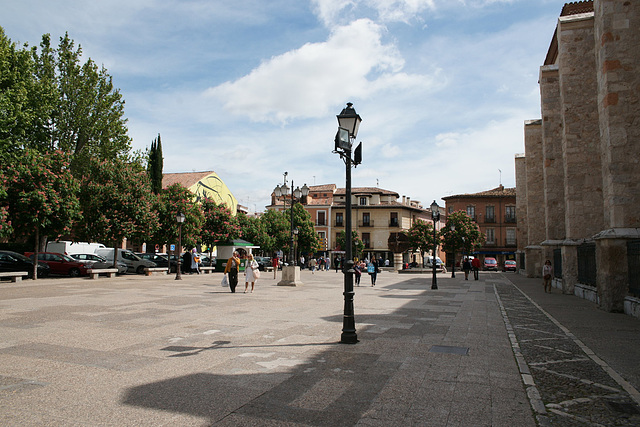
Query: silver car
{"x": 96, "y": 261}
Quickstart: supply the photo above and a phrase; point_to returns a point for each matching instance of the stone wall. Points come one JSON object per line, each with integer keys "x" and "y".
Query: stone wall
{"x": 536, "y": 229}
{"x": 581, "y": 134}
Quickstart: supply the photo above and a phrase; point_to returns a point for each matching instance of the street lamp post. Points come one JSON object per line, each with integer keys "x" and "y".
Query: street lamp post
{"x": 179, "y": 219}
{"x": 349, "y": 123}
{"x": 435, "y": 215}
{"x": 291, "y": 277}
{"x": 453, "y": 263}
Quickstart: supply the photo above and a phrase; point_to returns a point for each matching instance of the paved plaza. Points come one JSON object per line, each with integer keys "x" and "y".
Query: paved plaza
{"x": 153, "y": 351}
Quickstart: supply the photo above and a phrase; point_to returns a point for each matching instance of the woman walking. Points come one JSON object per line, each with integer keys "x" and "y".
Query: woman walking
{"x": 251, "y": 273}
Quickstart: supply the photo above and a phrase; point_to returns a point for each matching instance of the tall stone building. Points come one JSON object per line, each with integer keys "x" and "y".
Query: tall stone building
{"x": 578, "y": 183}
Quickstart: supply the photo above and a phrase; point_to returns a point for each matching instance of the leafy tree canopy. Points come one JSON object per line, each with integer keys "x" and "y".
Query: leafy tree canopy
{"x": 117, "y": 203}
{"x": 173, "y": 200}
{"x": 466, "y": 237}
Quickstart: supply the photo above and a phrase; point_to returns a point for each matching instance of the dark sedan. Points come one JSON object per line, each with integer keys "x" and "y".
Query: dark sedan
{"x": 161, "y": 260}
{"x": 12, "y": 262}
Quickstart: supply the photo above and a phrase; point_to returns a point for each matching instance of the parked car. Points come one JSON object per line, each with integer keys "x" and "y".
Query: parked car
{"x": 12, "y": 262}
{"x": 490, "y": 264}
{"x": 96, "y": 261}
{"x": 509, "y": 265}
{"x": 135, "y": 264}
{"x": 68, "y": 247}
{"x": 263, "y": 261}
{"x": 439, "y": 263}
{"x": 205, "y": 261}
{"x": 60, "y": 263}
{"x": 161, "y": 260}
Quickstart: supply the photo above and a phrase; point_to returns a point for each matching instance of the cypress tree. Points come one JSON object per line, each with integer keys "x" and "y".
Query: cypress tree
{"x": 155, "y": 165}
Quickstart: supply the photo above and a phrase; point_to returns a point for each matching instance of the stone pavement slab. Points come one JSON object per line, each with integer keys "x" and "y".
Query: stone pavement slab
{"x": 154, "y": 351}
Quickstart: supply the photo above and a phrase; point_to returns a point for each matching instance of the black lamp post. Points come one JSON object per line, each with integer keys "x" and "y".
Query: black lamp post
{"x": 435, "y": 215}
{"x": 179, "y": 219}
{"x": 298, "y": 193}
{"x": 453, "y": 263}
{"x": 349, "y": 123}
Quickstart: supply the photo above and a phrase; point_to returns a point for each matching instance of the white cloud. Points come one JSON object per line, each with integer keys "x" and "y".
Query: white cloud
{"x": 307, "y": 82}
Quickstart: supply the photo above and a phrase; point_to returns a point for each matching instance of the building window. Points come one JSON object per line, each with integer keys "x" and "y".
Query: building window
{"x": 510, "y": 214}
{"x": 393, "y": 221}
{"x": 366, "y": 219}
{"x": 321, "y": 219}
{"x": 490, "y": 236}
{"x": 511, "y": 236}
{"x": 471, "y": 211}
{"x": 450, "y": 209}
{"x": 366, "y": 239}
{"x": 490, "y": 214}
{"x": 363, "y": 201}
{"x": 339, "y": 219}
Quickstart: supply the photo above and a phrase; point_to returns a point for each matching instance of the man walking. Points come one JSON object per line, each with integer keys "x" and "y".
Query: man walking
{"x": 475, "y": 264}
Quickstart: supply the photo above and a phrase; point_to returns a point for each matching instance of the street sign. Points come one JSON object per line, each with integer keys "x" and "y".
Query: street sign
{"x": 172, "y": 247}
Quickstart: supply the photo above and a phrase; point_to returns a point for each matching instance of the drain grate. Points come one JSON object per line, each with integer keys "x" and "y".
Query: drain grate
{"x": 461, "y": 351}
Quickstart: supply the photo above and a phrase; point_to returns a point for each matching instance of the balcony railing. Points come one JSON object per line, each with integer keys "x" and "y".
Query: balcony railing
{"x": 365, "y": 223}
{"x": 321, "y": 223}
{"x": 490, "y": 219}
{"x": 338, "y": 224}
{"x": 510, "y": 219}
{"x": 394, "y": 223}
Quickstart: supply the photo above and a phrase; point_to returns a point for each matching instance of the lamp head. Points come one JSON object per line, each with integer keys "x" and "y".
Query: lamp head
{"x": 350, "y": 120}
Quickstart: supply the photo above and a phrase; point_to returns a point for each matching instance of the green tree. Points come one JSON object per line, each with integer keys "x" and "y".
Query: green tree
{"x": 466, "y": 236}
{"x": 277, "y": 227}
{"x": 173, "y": 200}
{"x": 421, "y": 237}
{"x": 219, "y": 226}
{"x": 23, "y": 105}
{"x": 357, "y": 245}
{"x": 42, "y": 196}
{"x": 308, "y": 240}
{"x": 253, "y": 230}
{"x": 117, "y": 203}
{"x": 155, "y": 165}
{"x": 5, "y": 224}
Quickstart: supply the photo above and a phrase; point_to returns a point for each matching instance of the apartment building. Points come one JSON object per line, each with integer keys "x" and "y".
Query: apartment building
{"x": 377, "y": 214}
{"x": 495, "y": 213}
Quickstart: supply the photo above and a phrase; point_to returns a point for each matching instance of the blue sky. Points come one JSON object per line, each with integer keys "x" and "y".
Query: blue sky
{"x": 250, "y": 88}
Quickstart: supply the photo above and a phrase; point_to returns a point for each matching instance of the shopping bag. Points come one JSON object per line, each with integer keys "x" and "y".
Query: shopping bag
{"x": 256, "y": 274}
{"x": 225, "y": 281}
{"x": 371, "y": 269}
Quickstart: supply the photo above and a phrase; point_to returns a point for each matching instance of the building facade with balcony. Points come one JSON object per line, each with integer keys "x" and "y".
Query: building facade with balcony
{"x": 376, "y": 215}
{"x": 495, "y": 212}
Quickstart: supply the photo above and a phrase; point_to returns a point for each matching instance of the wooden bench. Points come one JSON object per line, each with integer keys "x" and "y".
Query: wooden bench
{"x": 148, "y": 271}
{"x": 207, "y": 270}
{"x": 94, "y": 273}
{"x": 15, "y": 276}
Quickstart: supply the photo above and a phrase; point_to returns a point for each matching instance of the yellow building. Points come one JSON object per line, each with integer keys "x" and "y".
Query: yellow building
{"x": 203, "y": 185}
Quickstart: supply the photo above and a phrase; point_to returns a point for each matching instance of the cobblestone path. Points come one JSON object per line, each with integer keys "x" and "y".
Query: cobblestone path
{"x": 566, "y": 383}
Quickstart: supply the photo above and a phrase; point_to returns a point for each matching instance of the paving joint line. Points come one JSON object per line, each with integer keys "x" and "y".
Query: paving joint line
{"x": 633, "y": 393}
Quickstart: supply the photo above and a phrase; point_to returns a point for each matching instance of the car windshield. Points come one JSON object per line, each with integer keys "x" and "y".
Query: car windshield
{"x": 67, "y": 258}
{"x": 18, "y": 256}
{"x": 491, "y": 261}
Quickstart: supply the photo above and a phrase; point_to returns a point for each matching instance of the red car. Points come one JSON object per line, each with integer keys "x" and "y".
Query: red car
{"x": 60, "y": 264}
{"x": 490, "y": 264}
{"x": 509, "y": 265}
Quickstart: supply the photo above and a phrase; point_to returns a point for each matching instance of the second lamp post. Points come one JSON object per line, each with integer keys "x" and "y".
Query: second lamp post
{"x": 435, "y": 215}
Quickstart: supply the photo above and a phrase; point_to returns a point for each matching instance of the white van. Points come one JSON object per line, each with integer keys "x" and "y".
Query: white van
{"x": 67, "y": 247}
{"x": 135, "y": 264}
